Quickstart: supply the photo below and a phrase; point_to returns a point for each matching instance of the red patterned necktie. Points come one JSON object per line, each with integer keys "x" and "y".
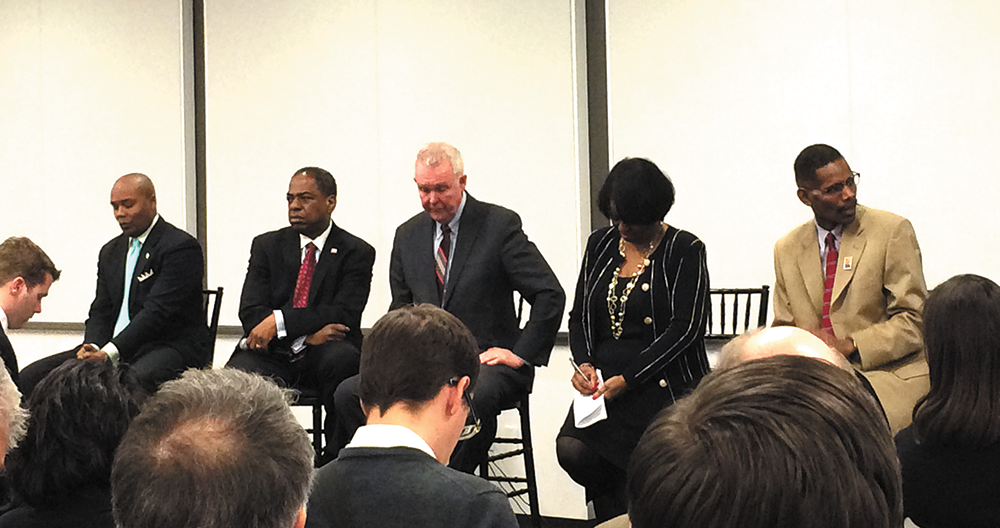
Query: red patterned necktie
{"x": 301, "y": 297}
{"x": 831, "y": 272}
{"x": 441, "y": 259}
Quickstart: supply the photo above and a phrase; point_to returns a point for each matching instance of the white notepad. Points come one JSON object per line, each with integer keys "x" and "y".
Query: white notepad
{"x": 587, "y": 410}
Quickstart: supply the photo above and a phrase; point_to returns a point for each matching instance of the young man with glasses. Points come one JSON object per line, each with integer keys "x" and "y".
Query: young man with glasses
{"x": 853, "y": 276}
{"x": 419, "y": 366}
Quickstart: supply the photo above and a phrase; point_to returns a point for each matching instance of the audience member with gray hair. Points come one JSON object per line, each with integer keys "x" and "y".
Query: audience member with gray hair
{"x": 785, "y": 441}
{"x": 13, "y": 418}
{"x": 213, "y": 449}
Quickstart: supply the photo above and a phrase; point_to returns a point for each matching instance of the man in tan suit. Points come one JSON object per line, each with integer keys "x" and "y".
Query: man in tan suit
{"x": 874, "y": 282}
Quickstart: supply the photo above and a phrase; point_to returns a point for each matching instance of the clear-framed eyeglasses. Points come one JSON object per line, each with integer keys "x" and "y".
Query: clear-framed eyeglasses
{"x": 472, "y": 424}
{"x": 838, "y": 188}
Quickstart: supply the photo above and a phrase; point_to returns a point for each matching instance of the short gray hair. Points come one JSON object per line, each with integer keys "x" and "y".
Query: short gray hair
{"x": 434, "y": 153}
{"x": 13, "y": 415}
{"x": 230, "y": 433}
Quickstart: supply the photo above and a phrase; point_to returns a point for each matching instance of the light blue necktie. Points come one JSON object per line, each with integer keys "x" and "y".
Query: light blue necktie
{"x": 133, "y": 257}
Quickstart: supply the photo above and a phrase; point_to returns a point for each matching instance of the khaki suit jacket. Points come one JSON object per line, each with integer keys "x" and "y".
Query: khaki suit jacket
{"x": 878, "y": 297}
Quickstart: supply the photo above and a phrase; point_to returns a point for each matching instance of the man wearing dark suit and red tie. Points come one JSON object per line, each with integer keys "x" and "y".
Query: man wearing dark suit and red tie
{"x": 469, "y": 257}
{"x": 148, "y": 310}
{"x": 26, "y": 273}
{"x": 304, "y": 292}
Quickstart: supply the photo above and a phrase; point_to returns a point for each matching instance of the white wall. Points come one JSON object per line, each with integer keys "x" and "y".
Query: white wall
{"x": 724, "y": 95}
{"x": 89, "y": 90}
{"x": 358, "y": 88}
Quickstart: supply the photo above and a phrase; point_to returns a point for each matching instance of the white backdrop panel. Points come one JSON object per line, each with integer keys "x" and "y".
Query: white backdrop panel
{"x": 89, "y": 90}
{"x": 723, "y": 95}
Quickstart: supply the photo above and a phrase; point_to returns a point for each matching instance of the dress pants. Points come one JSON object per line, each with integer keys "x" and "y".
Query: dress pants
{"x": 155, "y": 364}
{"x": 322, "y": 368}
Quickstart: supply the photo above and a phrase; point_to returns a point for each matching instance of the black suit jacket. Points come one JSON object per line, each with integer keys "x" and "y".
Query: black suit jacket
{"x": 166, "y": 306}
{"x": 493, "y": 258}
{"x": 7, "y": 355}
{"x": 339, "y": 291}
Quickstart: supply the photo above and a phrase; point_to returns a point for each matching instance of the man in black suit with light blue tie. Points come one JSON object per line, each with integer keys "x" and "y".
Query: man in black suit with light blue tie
{"x": 469, "y": 257}
{"x": 155, "y": 320}
{"x": 304, "y": 292}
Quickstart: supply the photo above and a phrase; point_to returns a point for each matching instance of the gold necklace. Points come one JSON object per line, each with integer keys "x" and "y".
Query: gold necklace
{"x": 618, "y": 314}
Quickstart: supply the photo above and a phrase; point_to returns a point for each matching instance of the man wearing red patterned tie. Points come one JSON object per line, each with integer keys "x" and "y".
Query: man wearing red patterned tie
{"x": 304, "y": 292}
{"x": 853, "y": 275}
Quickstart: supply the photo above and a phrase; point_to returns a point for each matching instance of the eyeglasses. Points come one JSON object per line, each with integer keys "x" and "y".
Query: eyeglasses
{"x": 472, "y": 424}
{"x": 838, "y": 188}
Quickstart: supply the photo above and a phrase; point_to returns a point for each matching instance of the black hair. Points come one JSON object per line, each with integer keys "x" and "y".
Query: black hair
{"x": 325, "y": 181}
{"x": 636, "y": 192}
{"x": 811, "y": 159}
{"x": 79, "y": 414}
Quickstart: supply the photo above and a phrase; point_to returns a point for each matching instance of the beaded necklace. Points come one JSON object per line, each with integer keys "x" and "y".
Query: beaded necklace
{"x": 618, "y": 314}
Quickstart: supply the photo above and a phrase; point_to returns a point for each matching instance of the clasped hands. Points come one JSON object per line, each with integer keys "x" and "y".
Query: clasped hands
{"x": 266, "y": 330}
{"x": 588, "y": 384}
{"x": 89, "y": 352}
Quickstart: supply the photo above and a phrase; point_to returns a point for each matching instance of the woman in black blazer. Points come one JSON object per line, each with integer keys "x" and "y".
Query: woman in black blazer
{"x": 639, "y": 317}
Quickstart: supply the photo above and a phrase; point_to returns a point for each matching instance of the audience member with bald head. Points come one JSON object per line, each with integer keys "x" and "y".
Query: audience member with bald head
{"x": 148, "y": 310}
{"x": 787, "y": 341}
{"x": 214, "y": 449}
{"x": 778, "y": 442}
{"x": 775, "y": 341}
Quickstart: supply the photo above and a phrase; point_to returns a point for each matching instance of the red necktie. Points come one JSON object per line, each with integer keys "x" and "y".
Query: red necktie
{"x": 301, "y": 297}
{"x": 441, "y": 259}
{"x": 831, "y": 272}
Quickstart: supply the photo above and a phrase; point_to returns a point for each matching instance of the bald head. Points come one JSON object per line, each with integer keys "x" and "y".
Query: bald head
{"x": 779, "y": 341}
{"x": 133, "y": 200}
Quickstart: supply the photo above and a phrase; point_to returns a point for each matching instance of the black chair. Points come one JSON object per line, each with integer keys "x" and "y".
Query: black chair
{"x": 735, "y": 309}
{"x": 312, "y": 398}
{"x": 520, "y": 446}
{"x": 213, "y": 306}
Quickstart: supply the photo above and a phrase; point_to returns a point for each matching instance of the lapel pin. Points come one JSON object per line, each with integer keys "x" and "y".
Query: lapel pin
{"x": 848, "y": 263}
{"x": 333, "y": 250}
{"x": 147, "y": 256}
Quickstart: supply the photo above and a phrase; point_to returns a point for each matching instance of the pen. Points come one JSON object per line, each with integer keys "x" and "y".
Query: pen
{"x": 577, "y": 369}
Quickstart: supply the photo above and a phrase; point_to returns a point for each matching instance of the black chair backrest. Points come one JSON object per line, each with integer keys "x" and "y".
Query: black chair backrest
{"x": 735, "y": 311}
{"x": 213, "y": 299}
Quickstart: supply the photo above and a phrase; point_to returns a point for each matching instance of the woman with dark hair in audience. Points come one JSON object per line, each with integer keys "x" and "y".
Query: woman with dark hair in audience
{"x": 639, "y": 317}
{"x": 951, "y": 453}
{"x": 60, "y": 472}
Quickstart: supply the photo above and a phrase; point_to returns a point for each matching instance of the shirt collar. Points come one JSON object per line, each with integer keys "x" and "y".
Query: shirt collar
{"x": 453, "y": 223}
{"x": 3, "y": 320}
{"x": 145, "y": 234}
{"x": 319, "y": 241}
{"x": 821, "y": 233}
{"x": 387, "y": 435}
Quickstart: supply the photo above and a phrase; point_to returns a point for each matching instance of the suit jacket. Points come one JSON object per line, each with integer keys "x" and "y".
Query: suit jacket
{"x": 166, "y": 304}
{"x": 402, "y": 487}
{"x": 493, "y": 258}
{"x": 7, "y": 355}
{"x": 338, "y": 293}
{"x": 878, "y": 295}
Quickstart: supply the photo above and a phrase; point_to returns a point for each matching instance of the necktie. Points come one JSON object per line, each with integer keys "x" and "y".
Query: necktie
{"x": 130, "y": 260}
{"x": 301, "y": 297}
{"x": 441, "y": 259}
{"x": 831, "y": 272}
